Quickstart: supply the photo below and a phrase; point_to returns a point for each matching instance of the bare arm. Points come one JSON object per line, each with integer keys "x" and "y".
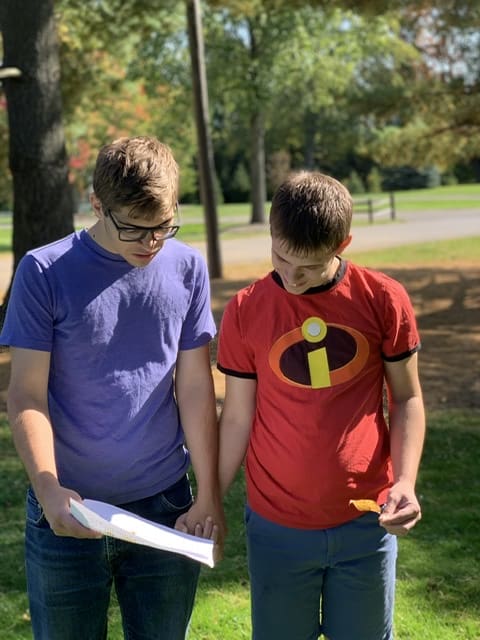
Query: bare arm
{"x": 407, "y": 434}
{"x": 235, "y": 425}
{"x": 196, "y": 403}
{"x": 29, "y": 419}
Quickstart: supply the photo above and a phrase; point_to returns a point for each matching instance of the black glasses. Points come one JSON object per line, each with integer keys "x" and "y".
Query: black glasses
{"x": 133, "y": 233}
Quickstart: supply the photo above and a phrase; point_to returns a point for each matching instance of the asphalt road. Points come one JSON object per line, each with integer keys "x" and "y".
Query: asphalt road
{"x": 409, "y": 228}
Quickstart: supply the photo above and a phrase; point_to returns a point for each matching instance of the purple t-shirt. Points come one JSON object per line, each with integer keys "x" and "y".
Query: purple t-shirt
{"x": 114, "y": 332}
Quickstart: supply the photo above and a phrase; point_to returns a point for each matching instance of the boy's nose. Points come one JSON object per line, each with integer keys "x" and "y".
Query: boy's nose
{"x": 150, "y": 238}
{"x": 292, "y": 275}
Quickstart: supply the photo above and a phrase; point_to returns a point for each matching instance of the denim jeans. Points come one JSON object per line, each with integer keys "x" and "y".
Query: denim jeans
{"x": 69, "y": 579}
{"x": 339, "y": 581}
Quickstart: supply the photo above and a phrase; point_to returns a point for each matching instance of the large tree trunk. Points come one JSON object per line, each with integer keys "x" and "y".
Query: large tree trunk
{"x": 42, "y": 210}
{"x": 205, "y": 148}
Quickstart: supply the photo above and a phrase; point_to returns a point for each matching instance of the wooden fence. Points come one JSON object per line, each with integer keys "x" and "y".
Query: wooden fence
{"x": 376, "y": 208}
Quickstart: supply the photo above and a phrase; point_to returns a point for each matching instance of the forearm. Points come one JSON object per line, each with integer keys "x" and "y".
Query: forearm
{"x": 235, "y": 426}
{"x": 32, "y": 432}
{"x": 33, "y": 438}
{"x": 407, "y": 435}
{"x": 199, "y": 421}
{"x": 233, "y": 447}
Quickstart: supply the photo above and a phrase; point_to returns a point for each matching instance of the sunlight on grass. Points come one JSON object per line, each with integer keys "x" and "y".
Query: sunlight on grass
{"x": 437, "y": 593}
{"x": 443, "y": 251}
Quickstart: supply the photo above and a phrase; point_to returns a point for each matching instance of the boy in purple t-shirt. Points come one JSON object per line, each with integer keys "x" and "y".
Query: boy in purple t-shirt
{"x": 111, "y": 397}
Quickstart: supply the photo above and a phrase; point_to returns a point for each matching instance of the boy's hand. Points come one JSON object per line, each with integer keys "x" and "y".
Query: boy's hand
{"x": 56, "y": 507}
{"x": 205, "y": 523}
{"x": 402, "y": 510}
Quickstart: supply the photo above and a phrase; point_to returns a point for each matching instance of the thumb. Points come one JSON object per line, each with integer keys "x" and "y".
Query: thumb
{"x": 389, "y": 507}
{"x": 180, "y": 524}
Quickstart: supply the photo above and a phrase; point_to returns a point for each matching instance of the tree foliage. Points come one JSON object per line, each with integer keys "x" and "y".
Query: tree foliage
{"x": 342, "y": 86}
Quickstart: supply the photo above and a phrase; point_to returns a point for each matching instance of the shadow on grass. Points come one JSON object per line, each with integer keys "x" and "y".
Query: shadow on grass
{"x": 439, "y": 561}
{"x": 448, "y": 311}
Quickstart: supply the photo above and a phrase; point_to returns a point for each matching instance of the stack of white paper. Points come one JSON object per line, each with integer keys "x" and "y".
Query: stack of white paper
{"x": 118, "y": 523}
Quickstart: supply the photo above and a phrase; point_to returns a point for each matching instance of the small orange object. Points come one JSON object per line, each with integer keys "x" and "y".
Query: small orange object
{"x": 366, "y": 505}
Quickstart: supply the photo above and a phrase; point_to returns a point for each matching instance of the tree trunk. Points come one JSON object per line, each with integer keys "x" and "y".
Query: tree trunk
{"x": 257, "y": 168}
{"x": 310, "y": 130}
{"x": 42, "y": 209}
{"x": 258, "y": 176}
{"x": 205, "y": 149}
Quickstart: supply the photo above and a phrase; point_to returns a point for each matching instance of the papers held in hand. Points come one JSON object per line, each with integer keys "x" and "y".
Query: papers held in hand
{"x": 118, "y": 523}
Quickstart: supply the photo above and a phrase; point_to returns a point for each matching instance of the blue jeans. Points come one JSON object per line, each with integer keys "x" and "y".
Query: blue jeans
{"x": 339, "y": 581}
{"x": 70, "y": 579}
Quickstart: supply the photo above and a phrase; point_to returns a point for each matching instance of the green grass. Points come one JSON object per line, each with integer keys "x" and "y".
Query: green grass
{"x": 438, "y": 594}
{"x": 443, "y": 251}
{"x": 5, "y": 240}
{"x": 438, "y": 587}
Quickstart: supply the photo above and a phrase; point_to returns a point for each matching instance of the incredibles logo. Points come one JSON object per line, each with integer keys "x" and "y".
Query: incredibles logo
{"x": 319, "y": 355}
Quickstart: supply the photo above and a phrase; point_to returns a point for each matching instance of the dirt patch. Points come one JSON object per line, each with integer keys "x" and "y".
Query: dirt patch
{"x": 447, "y": 302}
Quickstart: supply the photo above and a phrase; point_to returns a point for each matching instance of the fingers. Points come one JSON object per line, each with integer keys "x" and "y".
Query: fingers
{"x": 400, "y": 522}
{"x": 181, "y": 524}
{"x": 69, "y": 526}
{"x": 206, "y": 530}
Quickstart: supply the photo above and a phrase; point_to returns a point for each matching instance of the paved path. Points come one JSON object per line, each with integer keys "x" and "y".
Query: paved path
{"x": 408, "y": 229}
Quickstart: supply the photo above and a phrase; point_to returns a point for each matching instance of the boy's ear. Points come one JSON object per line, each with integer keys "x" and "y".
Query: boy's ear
{"x": 344, "y": 245}
{"x": 96, "y": 205}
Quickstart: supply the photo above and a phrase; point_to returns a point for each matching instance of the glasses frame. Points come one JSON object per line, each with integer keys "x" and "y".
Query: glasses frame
{"x": 159, "y": 232}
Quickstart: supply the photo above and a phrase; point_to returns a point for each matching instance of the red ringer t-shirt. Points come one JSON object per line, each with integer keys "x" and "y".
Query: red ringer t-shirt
{"x": 319, "y": 437}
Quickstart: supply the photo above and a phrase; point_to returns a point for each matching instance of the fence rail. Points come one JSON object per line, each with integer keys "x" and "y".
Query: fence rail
{"x": 376, "y": 207}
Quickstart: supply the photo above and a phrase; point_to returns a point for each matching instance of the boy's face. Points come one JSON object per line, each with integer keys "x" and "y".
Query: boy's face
{"x": 113, "y": 225}
{"x": 300, "y": 272}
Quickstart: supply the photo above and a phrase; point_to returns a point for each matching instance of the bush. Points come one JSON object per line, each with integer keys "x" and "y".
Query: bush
{"x": 449, "y": 179}
{"x": 374, "y": 181}
{"x": 401, "y": 178}
{"x": 354, "y": 183}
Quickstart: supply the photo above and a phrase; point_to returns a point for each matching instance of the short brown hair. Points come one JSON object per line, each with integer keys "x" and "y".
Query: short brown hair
{"x": 310, "y": 211}
{"x": 139, "y": 173}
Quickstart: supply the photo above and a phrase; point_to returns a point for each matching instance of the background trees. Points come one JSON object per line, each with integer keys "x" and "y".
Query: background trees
{"x": 346, "y": 87}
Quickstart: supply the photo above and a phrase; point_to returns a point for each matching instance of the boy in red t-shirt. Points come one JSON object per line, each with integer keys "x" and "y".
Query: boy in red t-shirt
{"x": 307, "y": 352}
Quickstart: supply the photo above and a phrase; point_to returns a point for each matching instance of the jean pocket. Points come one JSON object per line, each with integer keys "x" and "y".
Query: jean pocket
{"x": 34, "y": 510}
{"x": 178, "y": 497}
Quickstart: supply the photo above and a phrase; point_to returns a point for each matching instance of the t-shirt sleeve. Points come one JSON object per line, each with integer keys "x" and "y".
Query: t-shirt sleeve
{"x": 29, "y": 322}
{"x": 235, "y": 357}
{"x": 199, "y": 325}
{"x": 401, "y": 337}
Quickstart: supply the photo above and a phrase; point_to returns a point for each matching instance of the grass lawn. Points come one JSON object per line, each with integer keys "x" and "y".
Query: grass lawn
{"x": 444, "y": 251}
{"x": 438, "y": 588}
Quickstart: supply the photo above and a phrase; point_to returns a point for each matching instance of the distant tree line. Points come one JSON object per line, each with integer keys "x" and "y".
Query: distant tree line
{"x": 378, "y": 99}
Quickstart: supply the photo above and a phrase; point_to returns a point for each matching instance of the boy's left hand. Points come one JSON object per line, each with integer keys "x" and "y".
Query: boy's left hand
{"x": 402, "y": 510}
{"x": 205, "y": 523}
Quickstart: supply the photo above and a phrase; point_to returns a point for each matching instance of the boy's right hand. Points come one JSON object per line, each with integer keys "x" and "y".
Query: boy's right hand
{"x": 56, "y": 508}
